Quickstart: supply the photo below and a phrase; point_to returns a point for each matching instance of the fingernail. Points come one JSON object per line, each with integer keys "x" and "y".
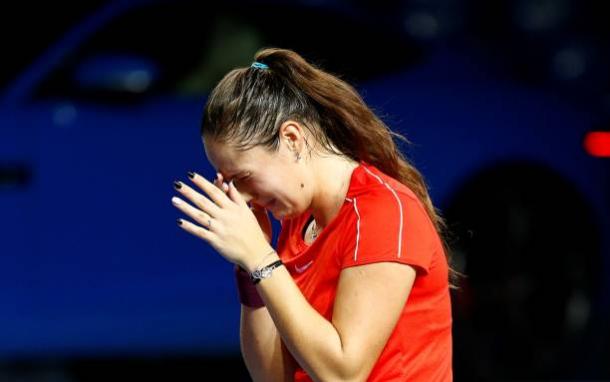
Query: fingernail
{"x": 191, "y": 174}
{"x": 176, "y": 200}
{"x": 179, "y": 221}
{"x": 177, "y": 185}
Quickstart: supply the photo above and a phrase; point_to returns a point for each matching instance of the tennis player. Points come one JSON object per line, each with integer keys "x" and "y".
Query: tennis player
{"x": 358, "y": 286}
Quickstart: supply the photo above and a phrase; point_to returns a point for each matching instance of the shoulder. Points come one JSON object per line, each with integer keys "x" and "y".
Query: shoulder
{"x": 389, "y": 203}
{"x": 375, "y": 188}
{"x": 388, "y": 223}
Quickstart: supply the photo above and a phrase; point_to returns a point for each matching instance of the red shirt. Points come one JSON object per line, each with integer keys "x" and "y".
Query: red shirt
{"x": 381, "y": 219}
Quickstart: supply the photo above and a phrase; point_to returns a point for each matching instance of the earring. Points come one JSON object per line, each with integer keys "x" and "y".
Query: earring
{"x": 298, "y": 157}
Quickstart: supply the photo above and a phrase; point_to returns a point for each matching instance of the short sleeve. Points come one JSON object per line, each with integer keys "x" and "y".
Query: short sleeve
{"x": 388, "y": 227}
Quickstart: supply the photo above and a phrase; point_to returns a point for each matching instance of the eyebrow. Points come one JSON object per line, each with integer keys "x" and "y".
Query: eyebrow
{"x": 229, "y": 178}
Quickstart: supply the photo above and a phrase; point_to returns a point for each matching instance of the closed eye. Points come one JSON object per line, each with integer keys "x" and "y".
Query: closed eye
{"x": 242, "y": 178}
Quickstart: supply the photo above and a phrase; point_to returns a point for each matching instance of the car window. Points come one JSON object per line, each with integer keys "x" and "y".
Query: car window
{"x": 188, "y": 47}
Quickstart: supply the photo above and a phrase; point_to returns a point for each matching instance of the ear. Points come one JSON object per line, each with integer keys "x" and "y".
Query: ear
{"x": 292, "y": 133}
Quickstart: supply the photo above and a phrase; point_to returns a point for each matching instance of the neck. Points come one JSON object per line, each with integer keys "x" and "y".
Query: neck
{"x": 332, "y": 176}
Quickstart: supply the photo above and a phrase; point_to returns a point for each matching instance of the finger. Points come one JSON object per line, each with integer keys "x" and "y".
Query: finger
{"x": 196, "y": 214}
{"x": 235, "y": 195}
{"x": 203, "y": 203}
{"x": 195, "y": 230}
{"x": 218, "y": 182}
{"x": 217, "y": 196}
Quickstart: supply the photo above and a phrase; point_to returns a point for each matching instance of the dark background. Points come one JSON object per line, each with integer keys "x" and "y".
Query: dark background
{"x": 30, "y": 27}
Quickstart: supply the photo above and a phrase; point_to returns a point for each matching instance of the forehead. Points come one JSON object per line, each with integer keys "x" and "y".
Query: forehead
{"x": 228, "y": 160}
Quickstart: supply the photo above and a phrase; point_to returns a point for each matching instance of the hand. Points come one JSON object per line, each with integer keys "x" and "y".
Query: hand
{"x": 261, "y": 214}
{"x": 234, "y": 231}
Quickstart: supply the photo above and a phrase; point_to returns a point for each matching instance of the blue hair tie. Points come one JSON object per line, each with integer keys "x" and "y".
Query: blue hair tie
{"x": 259, "y": 65}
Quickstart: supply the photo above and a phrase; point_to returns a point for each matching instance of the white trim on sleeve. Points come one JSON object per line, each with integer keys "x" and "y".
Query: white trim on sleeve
{"x": 357, "y": 230}
{"x": 399, "y": 209}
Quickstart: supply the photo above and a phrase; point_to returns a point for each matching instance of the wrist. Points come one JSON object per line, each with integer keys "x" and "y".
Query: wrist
{"x": 265, "y": 271}
{"x": 246, "y": 290}
{"x": 268, "y": 256}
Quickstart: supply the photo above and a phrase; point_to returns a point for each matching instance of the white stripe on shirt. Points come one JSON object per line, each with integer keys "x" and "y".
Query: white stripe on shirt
{"x": 357, "y": 230}
{"x": 399, "y": 209}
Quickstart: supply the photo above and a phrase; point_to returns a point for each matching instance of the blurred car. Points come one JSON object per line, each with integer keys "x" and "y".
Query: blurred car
{"x": 94, "y": 132}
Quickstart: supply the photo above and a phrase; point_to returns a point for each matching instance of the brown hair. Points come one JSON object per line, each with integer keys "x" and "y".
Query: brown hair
{"x": 247, "y": 107}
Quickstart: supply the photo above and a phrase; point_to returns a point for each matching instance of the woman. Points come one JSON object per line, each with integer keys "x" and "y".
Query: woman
{"x": 358, "y": 286}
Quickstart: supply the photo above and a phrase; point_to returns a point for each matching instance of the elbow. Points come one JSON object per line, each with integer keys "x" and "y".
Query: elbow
{"x": 346, "y": 372}
{"x": 356, "y": 365}
{"x": 345, "y": 377}
{"x": 355, "y": 375}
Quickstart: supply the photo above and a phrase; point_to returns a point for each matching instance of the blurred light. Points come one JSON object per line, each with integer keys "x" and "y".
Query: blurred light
{"x": 64, "y": 115}
{"x": 540, "y": 14}
{"x": 117, "y": 73}
{"x": 597, "y": 143}
{"x": 137, "y": 81}
{"x": 422, "y": 25}
{"x": 578, "y": 312}
{"x": 569, "y": 64}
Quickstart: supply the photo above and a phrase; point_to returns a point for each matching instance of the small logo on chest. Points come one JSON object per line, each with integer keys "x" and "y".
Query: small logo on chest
{"x": 303, "y": 268}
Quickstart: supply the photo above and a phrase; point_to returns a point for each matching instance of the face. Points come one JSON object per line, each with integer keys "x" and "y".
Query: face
{"x": 272, "y": 180}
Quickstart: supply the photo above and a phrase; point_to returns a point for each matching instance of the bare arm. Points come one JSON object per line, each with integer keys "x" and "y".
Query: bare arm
{"x": 264, "y": 353}
{"x": 265, "y": 356}
{"x": 347, "y": 348}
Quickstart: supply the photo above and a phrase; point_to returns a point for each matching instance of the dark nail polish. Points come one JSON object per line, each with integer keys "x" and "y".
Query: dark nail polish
{"x": 179, "y": 221}
{"x": 177, "y": 184}
{"x": 191, "y": 174}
